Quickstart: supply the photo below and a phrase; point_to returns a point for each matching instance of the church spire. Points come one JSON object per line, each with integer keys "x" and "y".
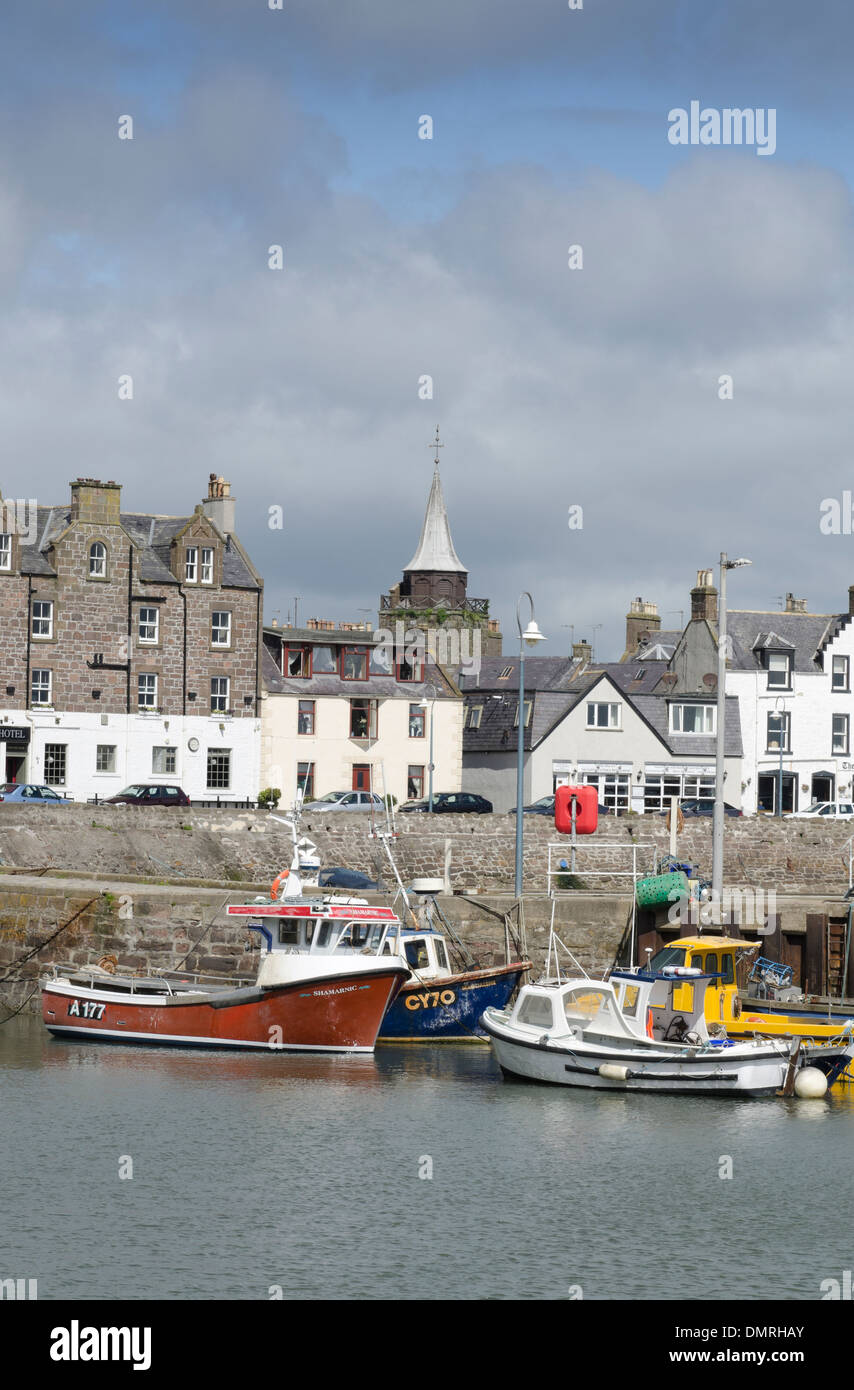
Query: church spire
{"x": 435, "y": 548}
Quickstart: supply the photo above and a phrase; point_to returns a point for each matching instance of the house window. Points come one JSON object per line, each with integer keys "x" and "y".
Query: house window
{"x": 149, "y": 624}
{"x": 324, "y": 661}
{"x": 699, "y": 788}
{"x": 415, "y": 783}
{"x": 363, "y": 718}
{"x": 600, "y": 716}
{"x": 361, "y": 777}
{"x": 305, "y": 717}
{"x": 147, "y": 691}
{"x": 41, "y": 688}
{"x": 191, "y": 564}
{"x": 693, "y": 719}
{"x": 219, "y": 694}
{"x": 416, "y": 721}
{"x": 354, "y": 663}
{"x": 98, "y": 560}
{"x": 221, "y": 629}
{"x": 219, "y": 769}
{"x": 55, "y": 764}
{"x": 164, "y": 762}
{"x": 658, "y": 790}
{"x": 840, "y": 733}
{"x": 105, "y": 757}
{"x": 5, "y": 550}
{"x": 380, "y": 662}
{"x": 410, "y": 669}
{"x": 42, "y": 619}
{"x": 779, "y": 671}
{"x": 529, "y": 705}
{"x": 475, "y": 715}
{"x": 779, "y": 728}
{"x": 839, "y": 679}
{"x": 305, "y": 780}
{"x": 296, "y": 662}
{"x": 207, "y": 566}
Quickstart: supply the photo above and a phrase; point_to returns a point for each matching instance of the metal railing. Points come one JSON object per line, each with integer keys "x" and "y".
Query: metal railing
{"x": 639, "y": 850}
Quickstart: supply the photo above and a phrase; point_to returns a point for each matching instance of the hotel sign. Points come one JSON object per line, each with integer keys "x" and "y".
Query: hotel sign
{"x": 9, "y": 734}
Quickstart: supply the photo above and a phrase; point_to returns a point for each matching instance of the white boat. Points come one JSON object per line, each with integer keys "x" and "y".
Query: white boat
{"x": 642, "y": 1032}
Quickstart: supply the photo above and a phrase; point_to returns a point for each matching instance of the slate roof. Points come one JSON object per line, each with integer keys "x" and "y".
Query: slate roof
{"x": 541, "y": 673}
{"x": 375, "y": 688}
{"x": 151, "y": 534}
{"x": 801, "y": 633}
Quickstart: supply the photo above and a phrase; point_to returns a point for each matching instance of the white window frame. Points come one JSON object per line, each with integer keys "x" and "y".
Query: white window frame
{"x": 206, "y": 569}
{"x": 614, "y": 716}
{"x": 43, "y": 636}
{"x": 41, "y": 686}
{"x": 171, "y": 756}
{"x": 529, "y": 709}
{"x": 774, "y": 671}
{"x": 95, "y": 560}
{"x": 99, "y": 749}
{"x": 844, "y": 734}
{"x": 709, "y": 719}
{"x": 144, "y": 687}
{"x": 191, "y": 564}
{"x": 220, "y": 694}
{"x": 216, "y": 628}
{"x": 841, "y": 668}
{"x": 5, "y": 550}
{"x": 141, "y": 623}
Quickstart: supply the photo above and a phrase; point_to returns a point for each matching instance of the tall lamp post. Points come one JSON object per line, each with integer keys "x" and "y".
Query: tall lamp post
{"x": 531, "y": 636}
{"x": 432, "y": 704}
{"x": 718, "y": 822}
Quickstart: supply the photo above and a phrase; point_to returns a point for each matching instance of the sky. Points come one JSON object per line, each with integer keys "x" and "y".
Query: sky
{"x": 554, "y": 388}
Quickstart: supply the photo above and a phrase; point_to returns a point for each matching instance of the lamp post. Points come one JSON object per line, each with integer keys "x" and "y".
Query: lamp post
{"x": 780, "y": 711}
{"x": 432, "y": 704}
{"x": 718, "y": 821}
{"x": 531, "y": 636}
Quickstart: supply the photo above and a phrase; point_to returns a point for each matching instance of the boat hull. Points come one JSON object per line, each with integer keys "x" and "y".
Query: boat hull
{"x": 652, "y": 1069}
{"x": 449, "y": 1009}
{"x": 339, "y": 1013}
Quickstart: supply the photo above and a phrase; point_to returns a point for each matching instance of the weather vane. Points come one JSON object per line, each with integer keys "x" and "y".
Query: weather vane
{"x": 436, "y": 445}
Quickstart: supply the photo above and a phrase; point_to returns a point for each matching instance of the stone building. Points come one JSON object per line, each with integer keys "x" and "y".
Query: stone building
{"x": 130, "y": 647}
{"x": 433, "y": 595}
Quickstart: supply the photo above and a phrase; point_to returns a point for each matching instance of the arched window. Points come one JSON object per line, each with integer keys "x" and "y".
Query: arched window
{"x": 98, "y": 560}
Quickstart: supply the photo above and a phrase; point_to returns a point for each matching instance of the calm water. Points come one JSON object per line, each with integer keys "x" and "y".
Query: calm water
{"x": 260, "y": 1170}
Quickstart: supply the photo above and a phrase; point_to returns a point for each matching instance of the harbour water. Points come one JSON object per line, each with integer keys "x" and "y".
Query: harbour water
{"x": 260, "y": 1173}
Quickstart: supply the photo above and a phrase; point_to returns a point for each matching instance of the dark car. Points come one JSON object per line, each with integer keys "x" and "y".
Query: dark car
{"x": 347, "y": 878}
{"x": 703, "y": 806}
{"x": 148, "y": 794}
{"x": 458, "y": 802}
{"x": 30, "y": 794}
{"x": 544, "y": 807}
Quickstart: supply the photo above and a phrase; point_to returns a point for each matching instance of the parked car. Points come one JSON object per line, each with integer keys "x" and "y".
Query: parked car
{"x": 704, "y": 806}
{"x": 347, "y": 878}
{"x": 347, "y": 801}
{"x": 148, "y": 794}
{"x": 842, "y": 810}
{"x": 458, "y": 802}
{"x": 30, "y": 794}
{"x": 544, "y": 807}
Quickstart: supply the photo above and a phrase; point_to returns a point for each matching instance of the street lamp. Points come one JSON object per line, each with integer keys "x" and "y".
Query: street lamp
{"x": 530, "y": 637}
{"x": 718, "y": 821}
{"x": 432, "y": 704}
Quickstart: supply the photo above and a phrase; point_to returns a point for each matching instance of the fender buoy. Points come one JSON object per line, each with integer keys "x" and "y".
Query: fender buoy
{"x": 277, "y": 883}
{"x": 649, "y": 1032}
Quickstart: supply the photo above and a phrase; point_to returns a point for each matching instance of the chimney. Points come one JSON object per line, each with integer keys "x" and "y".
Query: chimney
{"x": 582, "y": 651}
{"x": 642, "y": 617}
{"x": 96, "y": 502}
{"x": 218, "y": 506}
{"x": 704, "y": 598}
{"x": 798, "y": 605}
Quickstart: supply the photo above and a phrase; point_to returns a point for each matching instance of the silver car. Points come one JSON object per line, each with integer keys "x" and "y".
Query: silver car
{"x": 346, "y": 801}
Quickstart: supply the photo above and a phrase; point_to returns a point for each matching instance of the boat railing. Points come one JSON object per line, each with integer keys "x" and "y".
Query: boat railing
{"x": 102, "y": 979}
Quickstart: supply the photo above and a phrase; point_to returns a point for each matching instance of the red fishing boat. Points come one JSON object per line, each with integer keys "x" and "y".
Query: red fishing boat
{"x": 331, "y": 968}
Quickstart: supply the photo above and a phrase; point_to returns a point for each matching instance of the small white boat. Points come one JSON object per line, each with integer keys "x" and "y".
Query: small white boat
{"x": 642, "y": 1032}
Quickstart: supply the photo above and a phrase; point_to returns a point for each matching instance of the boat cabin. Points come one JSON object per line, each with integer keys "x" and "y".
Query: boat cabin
{"x": 630, "y": 1007}
{"x": 326, "y": 927}
{"x": 715, "y": 955}
{"x": 426, "y": 954}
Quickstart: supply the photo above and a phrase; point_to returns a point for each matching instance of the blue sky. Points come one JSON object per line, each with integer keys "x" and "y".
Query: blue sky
{"x": 448, "y": 257}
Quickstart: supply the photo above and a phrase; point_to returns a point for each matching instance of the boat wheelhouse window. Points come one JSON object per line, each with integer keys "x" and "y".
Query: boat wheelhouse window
{"x": 668, "y": 955}
{"x": 583, "y": 1004}
{"x": 712, "y": 967}
{"x": 322, "y": 938}
{"x": 416, "y": 954}
{"x": 726, "y": 968}
{"x": 288, "y": 933}
{"x": 441, "y": 956}
{"x": 537, "y": 1011}
{"x": 630, "y": 1001}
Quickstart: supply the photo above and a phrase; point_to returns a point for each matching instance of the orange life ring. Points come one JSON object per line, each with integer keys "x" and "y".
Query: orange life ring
{"x": 649, "y": 1032}
{"x": 277, "y": 883}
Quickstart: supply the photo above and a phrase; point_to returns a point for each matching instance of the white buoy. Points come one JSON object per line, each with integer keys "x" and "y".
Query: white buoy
{"x": 810, "y": 1083}
{"x": 613, "y": 1073}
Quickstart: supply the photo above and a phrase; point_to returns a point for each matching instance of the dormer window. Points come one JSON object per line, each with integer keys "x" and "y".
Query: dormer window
{"x": 693, "y": 719}
{"x": 191, "y": 565}
{"x": 207, "y": 574}
{"x": 98, "y": 560}
{"x": 779, "y": 666}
